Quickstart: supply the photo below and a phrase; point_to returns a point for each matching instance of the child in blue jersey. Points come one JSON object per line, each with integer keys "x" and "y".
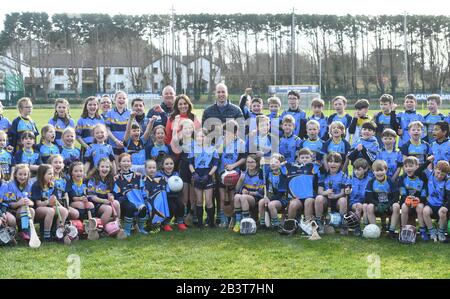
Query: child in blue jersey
{"x": 406, "y": 117}
{"x": 413, "y": 184}
{"x": 100, "y": 191}
{"x": 331, "y": 191}
{"x": 274, "y": 104}
{"x": 47, "y": 145}
{"x": 27, "y": 155}
{"x": 304, "y": 174}
{"x": 61, "y": 119}
{"x": 157, "y": 149}
{"x": 5, "y": 124}
{"x": 6, "y": 218}
{"x": 125, "y": 182}
{"x": 356, "y": 191}
{"x": 256, "y": 108}
{"x": 99, "y": 149}
{"x": 433, "y": 103}
{"x": 386, "y": 118}
{"x": 135, "y": 144}
{"x": 447, "y": 119}
{"x": 361, "y": 117}
{"x": 416, "y": 146}
{"x": 276, "y": 195}
{"x": 339, "y": 104}
{"x": 89, "y": 118}
{"x": 298, "y": 114}
{"x": 68, "y": 151}
{"x": 317, "y": 109}
{"x": 438, "y": 198}
{"x": 57, "y": 162}
{"x": 313, "y": 142}
{"x": 289, "y": 143}
{"x": 6, "y": 158}
{"x": 232, "y": 157}
{"x": 175, "y": 202}
{"x": 116, "y": 122}
{"x": 17, "y": 198}
{"x": 366, "y": 146}
{"x": 76, "y": 189}
{"x": 440, "y": 148}
{"x": 249, "y": 190}
{"x": 260, "y": 140}
{"x": 203, "y": 163}
{"x": 138, "y": 112}
{"x": 390, "y": 154}
{"x": 336, "y": 143}
{"x": 44, "y": 195}
{"x": 382, "y": 197}
{"x": 22, "y": 123}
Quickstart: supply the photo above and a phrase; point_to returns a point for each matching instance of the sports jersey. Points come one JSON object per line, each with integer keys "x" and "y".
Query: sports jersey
{"x": 5, "y": 124}
{"x": 300, "y": 121}
{"x": 85, "y": 126}
{"x": 70, "y": 154}
{"x": 356, "y": 125}
{"x": 29, "y": 157}
{"x": 250, "y": 118}
{"x": 60, "y": 125}
{"x": 404, "y": 119}
{"x": 358, "y": 186}
{"x": 336, "y": 181}
{"x": 13, "y": 193}
{"x": 414, "y": 186}
{"x": 37, "y": 193}
{"x": 142, "y": 121}
{"x": 289, "y": 147}
{"x": 117, "y": 122}
{"x": 369, "y": 151}
{"x": 126, "y": 182}
{"x": 342, "y": 147}
{"x": 385, "y": 192}
{"x": 276, "y": 184}
{"x": 60, "y": 186}
{"x": 315, "y": 146}
{"x": 346, "y": 119}
{"x": 438, "y": 191}
{"x": 150, "y": 186}
{"x": 231, "y": 153}
{"x": 440, "y": 150}
{"x": 137, "y": 151}
{"x": 385, "y": 121}
{"x": 165, "y": 177}
{"x": 304, "y": 178}
{"x": 253, "y": 183}
{"x": 203, "y": 159}
{"x": 429, "y": 121}
{"x": 98, "y": 188}
{"x": 6, "y": 160}
{"x": 420, "y": 150}
{"x": 323, "y": 125}
{"x": 393, "y": 159}
{"x": 76, "y": 189}
{"x": 98, "y": 151}
{"x": 46, "y": 150}
{"x": 274, "y": 119}
{"x": 157, "y": 151}
{"x": 18, "y": 126}
{"x": 3, "y": 204}
{"x": 259, "y": 143}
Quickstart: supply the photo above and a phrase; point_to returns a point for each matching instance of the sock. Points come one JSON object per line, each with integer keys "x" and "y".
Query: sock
{"x": 392, "y": 229}
{"x": 93, "y": 213}
{"x": 141, "y": 224}
{"x": 186, "y": 211}
{"x": 274, "y": 221}
{"x": 128, "y": 223}
{"x": 47, "y": 234}
{"x": 262, "y": 222}
{"x": 222, "y": 217}
{"x": 25, "y": 221}
{"x": 199, "y": 213}
{"x": 238, "y": 214}
{"x": 179, "y": 220}
{"x": 245, "y": 214}
{"x": 423, "y": 229}
{"x": 210, "y": 213}
{"x": 442, "y": 229}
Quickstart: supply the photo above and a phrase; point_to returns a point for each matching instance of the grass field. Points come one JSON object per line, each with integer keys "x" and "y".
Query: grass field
{"x": 215, "y": 253}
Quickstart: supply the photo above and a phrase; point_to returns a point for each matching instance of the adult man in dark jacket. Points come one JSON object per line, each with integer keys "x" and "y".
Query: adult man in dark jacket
{"x": 163, "y": 110}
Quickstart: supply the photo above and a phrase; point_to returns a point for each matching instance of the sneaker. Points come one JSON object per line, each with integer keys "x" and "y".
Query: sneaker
{"x": 182, "y": 227}
{"x": 357, "y": 232}
{"x": 167, "y": 228}
{"x": 321, "y": 227}
{"x": 424, "y": 236}
{"x": 223, "y": 225}
{"x": 237, "y": 227}
{"x": 392, "y": 235}
{"x": 154, "y": 229}
{"x": 441, "y": 236}
{"x": 344, "y": 231}
{"x": 433, "y": 235}
{"x": 25, "y": 236}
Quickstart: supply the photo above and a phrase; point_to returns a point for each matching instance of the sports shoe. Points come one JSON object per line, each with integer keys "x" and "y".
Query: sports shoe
{"x": 24, "y": 235}
{"x": 223, "y": 225}
{"x": 433, "y": 235}
{"x": 321, "y": 227}
{"x": 392, "y": 235}
{"x": 182, "y": 227}
{"x": 154, "y": 229}
{"x": 237, "y": 227}
{"x": 357, "y": 232}
{"x": 423, "y": 235}
{"x": 344, "y": 231}
{"x": 441, "y": 236}
{"x": 167, "y": 228}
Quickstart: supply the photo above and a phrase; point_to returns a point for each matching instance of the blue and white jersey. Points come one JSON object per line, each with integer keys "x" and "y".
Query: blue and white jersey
{"x": 259, "y": 143}
{"x": 137, "y": 151}
{"x": 70, "y": 154}
{"x": 342, "y": 147}
{"x": 231, "y": 153}
{"x": 98, "y": 188}
{"x": 346, "y": 119}
{"x": 315, "y": 146}
{"x": 46, "y": 150}
{"x": 298, "y": 115}
{"x": 358, "y": 186}
{"x": 14, "y": 193}
{"x": 5, "y": 124}
{"x": 117, "y": 122}
{"x": 413, "y": 186}
{"x": 323, "y": 123}
{"x": 60, "y": 186}
{"x": 18, "y": 126}
{"x": 98, "y": 151}
{"x": 253, "y": 183}
{"x": 440, "y": 151}
{"x": 420, "y": 150}
{"x": 6, "y": 160}
{"x": 276, "y": 184}
{"x": 384, "y": 192}
{"x": 76, "y": 189}
{"x": 289, "y": 146}
{"x": 165, "y": 177}
{"x": 60, "y": 125}
{"x": 429, "y": 121}
{"x": 85, "y": 126}
{"x": 436, "y": 189}
{"x": 29, "y": 157}
{"x": 371, "y": 145}
{"x": 203, "y": 157}
{"x": 337, "y": 181}
{"x": 393, "y": 159}
{"x": 404, "y": 119}
{"x": 38, "y": 193}
{"x": 305, "y": 178}
{"x": 157, "y": 151}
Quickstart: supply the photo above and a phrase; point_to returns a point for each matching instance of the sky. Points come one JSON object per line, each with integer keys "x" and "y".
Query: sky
{"x": 339, "y": 7}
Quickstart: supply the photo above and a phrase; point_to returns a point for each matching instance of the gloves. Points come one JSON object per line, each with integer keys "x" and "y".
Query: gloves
{"x": 196, "y": 177}
{"x": 204, "y": 179}
{"x": 382, "y": 208}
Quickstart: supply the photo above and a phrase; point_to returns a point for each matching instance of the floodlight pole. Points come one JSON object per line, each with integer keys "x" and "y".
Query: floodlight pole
{"x": 405, "y": 32}
{"x": 293, "y": 47}
{"x": 275, "y": 59}
{"x": 173, "y": 46}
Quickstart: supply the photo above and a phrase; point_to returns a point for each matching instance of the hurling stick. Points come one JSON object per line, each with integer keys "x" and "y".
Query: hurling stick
{"x": 34, "y": 239}
{"x": 92, "y": 231}
{"x": 121, "y": 234}
{"x": 266, "y": 206}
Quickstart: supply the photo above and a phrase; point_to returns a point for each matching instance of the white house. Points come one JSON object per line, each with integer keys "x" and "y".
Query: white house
{"x": 162, "y": 67}
{"x": 201, "y": 67}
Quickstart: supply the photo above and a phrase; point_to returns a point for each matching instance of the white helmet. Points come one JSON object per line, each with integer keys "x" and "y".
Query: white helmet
{"x": 175, "y": 183}
{"x": 371, "y": 231}
{"x": 248, "y": 226}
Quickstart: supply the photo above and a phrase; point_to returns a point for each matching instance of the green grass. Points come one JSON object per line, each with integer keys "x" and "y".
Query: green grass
{"x": 224, "y": 254}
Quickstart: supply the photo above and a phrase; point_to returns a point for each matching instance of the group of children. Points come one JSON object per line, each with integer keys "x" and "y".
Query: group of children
{"x": 54, "y": 181}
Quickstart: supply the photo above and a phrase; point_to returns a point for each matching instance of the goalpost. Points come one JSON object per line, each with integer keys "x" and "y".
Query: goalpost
{"x": 307, "y": 94}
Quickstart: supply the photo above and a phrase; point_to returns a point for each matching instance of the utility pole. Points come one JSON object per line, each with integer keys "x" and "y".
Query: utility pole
{"x": 293, "y": 47}
{"x": 405, "y": 31}
{"x": 173, "y": 46}
{"x": 275, "y": 59}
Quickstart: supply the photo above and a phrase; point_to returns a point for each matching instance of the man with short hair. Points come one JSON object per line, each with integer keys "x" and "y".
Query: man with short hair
{"x": 163, "y": 110}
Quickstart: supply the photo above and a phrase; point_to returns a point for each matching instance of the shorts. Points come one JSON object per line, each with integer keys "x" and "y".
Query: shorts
{"x": 185, "y": 173}
{"x": 118, "y": 151}
{"x": 209, "y": 184}
{"x": 284, "y": 202}
{"x": 435, "y": 214}
{"x": 388, "y": 212}
{"x": 332, "y": 203}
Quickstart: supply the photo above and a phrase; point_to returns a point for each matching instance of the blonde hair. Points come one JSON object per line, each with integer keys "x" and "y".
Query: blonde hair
{"x": 379, "y": 165}
{"x": 415, "y": 123}
{"x": 23, "y": 100}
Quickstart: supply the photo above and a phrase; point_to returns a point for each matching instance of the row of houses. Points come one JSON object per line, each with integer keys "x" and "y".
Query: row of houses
{"x": 63, "y": 73}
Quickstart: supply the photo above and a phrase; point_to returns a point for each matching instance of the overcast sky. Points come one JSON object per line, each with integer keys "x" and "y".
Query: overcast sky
{"x": 340, "y": 7}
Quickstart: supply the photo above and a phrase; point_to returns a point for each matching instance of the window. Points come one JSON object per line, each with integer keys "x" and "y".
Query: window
{"x": 88, "y": 74}
{"x": 155, "y": 70}
{"x": 59, "y": 72}
{"x": 155, "y": 86}
{"x": 120, "y": 85}
{"x": 190, "y": 71}
{"x": 107, "y": 71}
{"x": 108, "y": 86}
{"x": 59, "y": 87}
{"x": 119, "y": 71}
